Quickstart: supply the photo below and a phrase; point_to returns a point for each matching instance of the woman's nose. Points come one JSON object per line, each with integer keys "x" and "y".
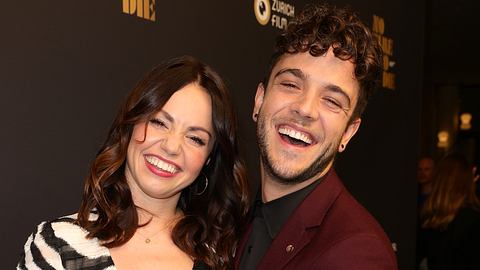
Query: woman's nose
{"x": 172, "y": 144}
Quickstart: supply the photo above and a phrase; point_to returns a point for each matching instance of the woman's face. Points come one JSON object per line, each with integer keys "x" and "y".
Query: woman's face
{"x": 170, "y": 155}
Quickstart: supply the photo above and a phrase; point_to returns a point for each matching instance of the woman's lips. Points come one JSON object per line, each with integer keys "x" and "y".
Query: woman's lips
{"x": 160, "y": 166}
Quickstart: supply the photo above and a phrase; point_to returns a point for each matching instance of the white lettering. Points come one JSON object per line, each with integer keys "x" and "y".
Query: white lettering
{"x": 279, "y": 21}
{"x": 283, "y": 8}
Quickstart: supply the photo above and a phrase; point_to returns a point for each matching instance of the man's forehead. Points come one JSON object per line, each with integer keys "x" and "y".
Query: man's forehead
{"x": 297, "y": 61}
{"x": 426, "y": 162}
{"x": 325, "y": 69}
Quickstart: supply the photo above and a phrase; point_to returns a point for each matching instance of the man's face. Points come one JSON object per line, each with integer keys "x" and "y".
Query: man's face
{"x": 425, "y": 169}
{"x": 303, "y": 115}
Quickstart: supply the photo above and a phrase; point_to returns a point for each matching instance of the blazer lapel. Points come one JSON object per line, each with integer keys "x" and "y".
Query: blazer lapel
{"x": 241, "y": 246}
{"x": 303, "y": 224}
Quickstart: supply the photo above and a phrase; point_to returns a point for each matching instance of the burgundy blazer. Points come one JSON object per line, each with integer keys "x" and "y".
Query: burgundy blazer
{"x": 329, "y": 230}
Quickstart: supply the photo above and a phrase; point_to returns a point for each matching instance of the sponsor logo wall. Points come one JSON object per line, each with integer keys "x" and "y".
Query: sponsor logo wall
{"x": 66, "y": 67}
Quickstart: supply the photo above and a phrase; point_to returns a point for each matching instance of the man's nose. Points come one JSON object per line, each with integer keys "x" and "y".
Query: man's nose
{"x": 306, "y": 106}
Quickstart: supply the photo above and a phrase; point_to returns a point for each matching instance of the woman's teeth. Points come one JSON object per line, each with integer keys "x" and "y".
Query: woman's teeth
{"x": 162, "y": 165}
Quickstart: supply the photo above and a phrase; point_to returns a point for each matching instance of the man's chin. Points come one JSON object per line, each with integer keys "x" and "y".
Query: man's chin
{"x": 289, "y": 176}
{"x": 296, "y": 173}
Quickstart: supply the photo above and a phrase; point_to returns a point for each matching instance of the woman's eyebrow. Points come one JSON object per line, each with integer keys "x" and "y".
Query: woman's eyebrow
{"x": 192, "y": 128}
{"x": 197, "y": 128}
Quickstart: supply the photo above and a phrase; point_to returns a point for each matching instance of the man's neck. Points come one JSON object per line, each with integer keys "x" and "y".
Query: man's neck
{"x": 273, "y": 189}
{"x": 426, "y": 188}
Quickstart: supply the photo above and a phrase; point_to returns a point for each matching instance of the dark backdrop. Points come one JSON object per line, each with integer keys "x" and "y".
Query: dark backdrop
{"x": 66, "y": 66}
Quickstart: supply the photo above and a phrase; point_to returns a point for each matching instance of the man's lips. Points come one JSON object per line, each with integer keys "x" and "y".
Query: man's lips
{"x": 295, "y": 136}
{"x": 161, "y": 166}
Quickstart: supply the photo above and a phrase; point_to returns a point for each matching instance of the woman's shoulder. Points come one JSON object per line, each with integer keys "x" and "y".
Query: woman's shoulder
{"x": 59, "y": 240}
{"x": 65, "y": 232}
{"x": 469, "y": 213}
{"x": 467, "y": 222}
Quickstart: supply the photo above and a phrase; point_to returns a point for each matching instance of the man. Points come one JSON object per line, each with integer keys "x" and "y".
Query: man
{"x": 424, "y": 178}
{"x": 308, "y": 108}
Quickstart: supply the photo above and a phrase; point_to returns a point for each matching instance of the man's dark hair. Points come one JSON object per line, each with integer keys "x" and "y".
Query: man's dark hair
{"x": 319, "y": 27}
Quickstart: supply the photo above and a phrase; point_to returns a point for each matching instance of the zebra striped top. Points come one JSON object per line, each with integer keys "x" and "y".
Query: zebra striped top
{"x": 62, "y": 244}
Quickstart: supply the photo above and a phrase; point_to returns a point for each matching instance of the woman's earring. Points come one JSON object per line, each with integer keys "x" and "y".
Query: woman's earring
{"x": 204, "y": 189}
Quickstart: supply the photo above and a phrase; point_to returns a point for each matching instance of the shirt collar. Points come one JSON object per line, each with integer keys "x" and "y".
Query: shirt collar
{"x": 276, "y": 212}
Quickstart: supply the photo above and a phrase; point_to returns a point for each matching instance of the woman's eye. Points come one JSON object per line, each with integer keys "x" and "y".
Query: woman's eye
{"x": 158, "y": 123}
{"x": 197, "y": 140}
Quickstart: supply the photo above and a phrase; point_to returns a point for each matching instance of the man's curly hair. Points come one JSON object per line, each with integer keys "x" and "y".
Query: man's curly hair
{"x": 319, "y": 27}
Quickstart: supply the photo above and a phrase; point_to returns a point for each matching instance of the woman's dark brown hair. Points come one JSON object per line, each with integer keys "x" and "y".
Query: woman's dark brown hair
{"x": 453, "y": 188}
{"x": 209, "y": 231}
{"x": 320, "y": 27}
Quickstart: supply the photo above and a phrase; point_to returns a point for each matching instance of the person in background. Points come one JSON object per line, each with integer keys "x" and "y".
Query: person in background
{"x": 450, "y": 218}
{"x": 324, "y": 68}
{"x": 167, "y": 189}
{"x": 424, "y": 178}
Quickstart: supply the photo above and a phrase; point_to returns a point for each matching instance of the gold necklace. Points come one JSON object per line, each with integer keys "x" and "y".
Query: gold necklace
{"x": 148, "y": 239}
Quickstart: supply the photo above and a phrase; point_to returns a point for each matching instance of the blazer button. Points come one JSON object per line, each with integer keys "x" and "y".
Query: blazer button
{"x": 289, "y": 248}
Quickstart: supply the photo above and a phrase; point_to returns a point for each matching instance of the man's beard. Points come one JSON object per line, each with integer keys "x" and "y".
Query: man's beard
{"x": 278, "y": 173}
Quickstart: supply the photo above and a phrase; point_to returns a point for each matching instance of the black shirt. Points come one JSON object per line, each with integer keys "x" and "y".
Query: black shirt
{"x": 268, "y": 220}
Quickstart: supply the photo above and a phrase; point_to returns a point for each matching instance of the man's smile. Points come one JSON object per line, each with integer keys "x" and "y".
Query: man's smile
{"x": 294, "y": 136}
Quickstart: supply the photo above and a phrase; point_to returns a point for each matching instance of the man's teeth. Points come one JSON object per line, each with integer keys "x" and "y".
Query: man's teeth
{"x": 295, "y": 134}
{"x": 162, "y": 165}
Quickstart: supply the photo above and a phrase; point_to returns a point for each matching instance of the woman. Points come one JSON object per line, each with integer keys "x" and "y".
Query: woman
{"x": 166, "y": 190}
{"x": 450, "y": 218}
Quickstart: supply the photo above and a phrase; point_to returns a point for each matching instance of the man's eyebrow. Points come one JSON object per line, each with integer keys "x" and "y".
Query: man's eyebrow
{"x": 337, "y": 89}
{"x": 331, "y": 87}
{"x": 294, "y": 71}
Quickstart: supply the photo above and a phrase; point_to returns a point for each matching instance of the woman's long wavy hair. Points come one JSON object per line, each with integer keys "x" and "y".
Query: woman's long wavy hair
{"x": 453, "y": 188}
{"x": 210, "y": 228}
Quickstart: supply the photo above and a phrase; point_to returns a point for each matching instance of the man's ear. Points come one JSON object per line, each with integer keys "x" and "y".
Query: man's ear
{"x": 258, "y": 101}
{"x": 348, "y": 134}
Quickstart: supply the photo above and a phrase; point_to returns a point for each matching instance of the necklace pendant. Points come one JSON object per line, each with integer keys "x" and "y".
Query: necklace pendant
{"x": 147, "y": 240}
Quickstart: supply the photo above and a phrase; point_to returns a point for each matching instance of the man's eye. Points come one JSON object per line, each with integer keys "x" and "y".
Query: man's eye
{"x": 197, "y": 140}
{"x": 332, "y": 103}
{"x": 288, "y": 85}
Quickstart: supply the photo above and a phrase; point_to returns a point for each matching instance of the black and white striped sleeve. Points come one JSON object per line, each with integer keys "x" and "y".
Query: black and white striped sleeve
{"x": 39, "y": 251}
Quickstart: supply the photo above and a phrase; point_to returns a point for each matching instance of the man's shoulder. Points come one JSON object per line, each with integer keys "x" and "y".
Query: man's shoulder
{"x": 347, "y": 217}
{"x": 349, "y": 236}
{"x": 341, "y": 210}
{"x": 346, "y": 207}
{"x": 358, "y": 251}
